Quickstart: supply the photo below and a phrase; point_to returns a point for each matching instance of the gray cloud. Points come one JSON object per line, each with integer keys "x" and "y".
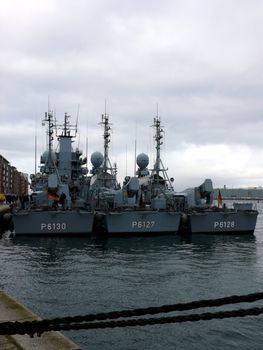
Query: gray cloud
{"x": 200, "y": 61}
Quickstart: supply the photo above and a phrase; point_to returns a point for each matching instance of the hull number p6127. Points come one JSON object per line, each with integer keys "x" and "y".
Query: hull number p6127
{"x": 143, "y": 224}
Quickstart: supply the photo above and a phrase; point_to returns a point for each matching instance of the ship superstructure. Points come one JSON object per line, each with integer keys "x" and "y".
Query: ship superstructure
{"x": 146, "y": 203}
{"x": 59, "y": 200}
{"x": 104, "y": 174}
{"x": 203, "y": 215}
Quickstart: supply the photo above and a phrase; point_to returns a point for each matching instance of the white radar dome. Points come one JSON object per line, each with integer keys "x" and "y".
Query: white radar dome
{"x": 142, "y": 161}
{"x": 96, "y": 159}
{"x": 45, "y": 155}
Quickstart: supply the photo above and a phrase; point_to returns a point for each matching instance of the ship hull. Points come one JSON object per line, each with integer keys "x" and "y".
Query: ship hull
{"x": 142, "y": 222}
{"x": 227, "y": 222}
{"x": 52, "y": 222}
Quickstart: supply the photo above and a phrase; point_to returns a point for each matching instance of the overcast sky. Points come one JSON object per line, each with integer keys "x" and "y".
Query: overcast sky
{"x": 200, "y": 61}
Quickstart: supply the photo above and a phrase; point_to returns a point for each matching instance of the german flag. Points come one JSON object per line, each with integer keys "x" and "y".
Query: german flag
{"x": 52, "y": 196}
{"x": 219, "y": 199}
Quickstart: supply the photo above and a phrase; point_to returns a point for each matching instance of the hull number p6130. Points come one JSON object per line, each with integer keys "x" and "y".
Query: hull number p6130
{"x": 53, "y": 226}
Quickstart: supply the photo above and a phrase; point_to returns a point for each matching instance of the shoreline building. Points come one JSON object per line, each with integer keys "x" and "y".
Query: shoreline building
{"x": 240, "y": 193}
{"x": 12, "y": 181}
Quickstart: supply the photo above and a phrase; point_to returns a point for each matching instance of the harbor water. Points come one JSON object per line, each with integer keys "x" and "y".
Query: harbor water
{"x": 68, "y": 276}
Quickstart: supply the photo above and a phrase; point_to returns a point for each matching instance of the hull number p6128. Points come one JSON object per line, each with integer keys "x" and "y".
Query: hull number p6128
{"x": 224, "y": 224}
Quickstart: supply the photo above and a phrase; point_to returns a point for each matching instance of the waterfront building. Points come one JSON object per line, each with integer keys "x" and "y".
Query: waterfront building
{"x": 12, "y": 181}
{"x": 239, "y": 193}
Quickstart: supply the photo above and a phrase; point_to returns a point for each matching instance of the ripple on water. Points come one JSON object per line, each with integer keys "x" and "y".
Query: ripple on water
{"x": 69, "y": 276}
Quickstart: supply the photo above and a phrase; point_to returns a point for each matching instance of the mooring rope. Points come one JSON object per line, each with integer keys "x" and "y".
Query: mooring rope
{"x": 86, "y": 321}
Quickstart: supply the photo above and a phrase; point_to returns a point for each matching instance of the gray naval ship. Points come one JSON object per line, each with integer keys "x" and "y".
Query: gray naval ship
{"x": 202, "y": 216}
{"x": 59, "y": 201}
{"x": 66, "y": 201}
{"x": 146, "y": 203}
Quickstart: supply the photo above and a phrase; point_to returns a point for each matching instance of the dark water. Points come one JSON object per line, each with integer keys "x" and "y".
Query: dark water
{"x": 70, "y": 276}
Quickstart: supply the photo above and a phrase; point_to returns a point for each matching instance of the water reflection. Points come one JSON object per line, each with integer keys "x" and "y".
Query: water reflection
{"x": 44, "y": 250}
{"x": 64, "y": 244}
{"x": 59, "y": 276}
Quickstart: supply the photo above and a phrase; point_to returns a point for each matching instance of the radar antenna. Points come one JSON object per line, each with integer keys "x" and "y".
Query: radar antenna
{"x": 66, "y": 128}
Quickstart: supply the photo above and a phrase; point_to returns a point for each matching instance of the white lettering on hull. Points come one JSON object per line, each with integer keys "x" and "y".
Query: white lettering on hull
{"x": 142, "y": 224}
{"x": 53, "y": 226}
{"x": 222, "y": 225}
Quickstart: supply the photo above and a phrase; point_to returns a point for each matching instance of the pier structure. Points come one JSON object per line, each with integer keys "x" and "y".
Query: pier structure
{"x": 11, "y": 310}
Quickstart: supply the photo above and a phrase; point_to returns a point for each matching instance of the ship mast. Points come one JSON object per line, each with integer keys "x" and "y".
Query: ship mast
{"x": 106, "y": 136}
{"x": 66, "y": 128}
{"x": 66, "y": 132}
{"x": 106, "y": 162}
{"x": 66, "y": 123}
{"x": 49, "y": 119}
{"x": 158, "y": 166}
{"x": 158, "y": 139}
